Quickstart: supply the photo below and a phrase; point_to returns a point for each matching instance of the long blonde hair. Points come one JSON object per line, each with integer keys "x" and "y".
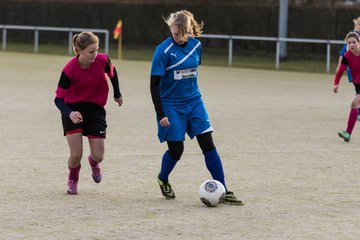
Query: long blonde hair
{"x": 83, "y": 40}
{"x": 182, "y": 19}
{"x": 356, "y": 20}
{"x": 197, "y": 28}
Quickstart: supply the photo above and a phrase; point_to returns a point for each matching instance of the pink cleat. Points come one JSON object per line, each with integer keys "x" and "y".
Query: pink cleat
{"x": 72, "y": 187}
{"x": 96, "y": 171}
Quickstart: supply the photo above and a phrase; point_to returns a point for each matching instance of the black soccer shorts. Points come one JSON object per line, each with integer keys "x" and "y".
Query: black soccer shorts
{"x": 94, "y": 120}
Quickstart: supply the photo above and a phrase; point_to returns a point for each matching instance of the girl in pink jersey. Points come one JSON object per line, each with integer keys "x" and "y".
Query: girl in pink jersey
{"x": 351, "y": 59}
{"x": 81, "y": 95}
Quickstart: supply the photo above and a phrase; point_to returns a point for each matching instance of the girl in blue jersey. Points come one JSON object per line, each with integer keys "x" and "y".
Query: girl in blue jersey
{"x": 177, "y": 100}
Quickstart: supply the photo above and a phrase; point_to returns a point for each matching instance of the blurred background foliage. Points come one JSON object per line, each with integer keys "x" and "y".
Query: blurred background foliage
{"x": 144, "y": 28}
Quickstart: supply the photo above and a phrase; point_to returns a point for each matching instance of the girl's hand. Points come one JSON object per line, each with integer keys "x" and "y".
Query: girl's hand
{"x": 164, "y": 122}
{"x": 76, "y": 117}
{"x": 119, "y": 100}
{"x": 336, "y": 88}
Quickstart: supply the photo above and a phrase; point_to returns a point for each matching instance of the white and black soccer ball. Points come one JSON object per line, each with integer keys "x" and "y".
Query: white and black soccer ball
{"x": 212, "y": 193}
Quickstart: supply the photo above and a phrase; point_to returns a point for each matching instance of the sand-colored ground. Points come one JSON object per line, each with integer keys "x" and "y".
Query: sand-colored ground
{"x": 276, "y": 133}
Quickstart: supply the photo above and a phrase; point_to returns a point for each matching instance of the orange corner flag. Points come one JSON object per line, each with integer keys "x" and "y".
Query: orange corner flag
{"x": 117, "y": 30}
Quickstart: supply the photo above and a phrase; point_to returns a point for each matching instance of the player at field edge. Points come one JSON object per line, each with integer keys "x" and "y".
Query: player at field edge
{"x": 81, "y": 95}
{"x": 343, "y": 50}
{"x": 350, "y": 59}
{"x": 177, "y": 100}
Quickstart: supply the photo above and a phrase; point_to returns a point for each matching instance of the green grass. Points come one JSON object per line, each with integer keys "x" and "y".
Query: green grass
{"x": 213, "y": 57}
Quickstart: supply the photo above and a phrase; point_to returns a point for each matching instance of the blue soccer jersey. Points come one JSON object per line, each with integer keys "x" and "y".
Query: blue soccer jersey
{"x": 178, "y": 67}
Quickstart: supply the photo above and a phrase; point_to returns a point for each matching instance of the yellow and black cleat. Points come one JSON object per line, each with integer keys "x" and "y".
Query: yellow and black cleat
{"x": 166, "y": 189}
{"x": 230, "y": 198}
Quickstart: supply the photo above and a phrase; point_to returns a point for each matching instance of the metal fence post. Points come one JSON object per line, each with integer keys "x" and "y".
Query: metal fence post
{"x": 70, "y": 36}
{"x": 36, "y": 41}
{"x": 230, "y": 51}
{"x": 328, "y": 49}
{"x": 4, "y": 39}
{"x": 277, "y": 64}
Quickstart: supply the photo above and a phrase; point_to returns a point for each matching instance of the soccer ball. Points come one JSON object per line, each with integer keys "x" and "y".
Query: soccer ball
{"x": 211, "y": 193}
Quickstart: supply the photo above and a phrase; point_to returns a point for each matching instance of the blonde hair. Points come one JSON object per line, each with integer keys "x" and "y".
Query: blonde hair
{"x": 182, "y": 19}
{"x": 83, "y": 40}
{"x": 356, "y": 20}
{"x": 197, "y": 28}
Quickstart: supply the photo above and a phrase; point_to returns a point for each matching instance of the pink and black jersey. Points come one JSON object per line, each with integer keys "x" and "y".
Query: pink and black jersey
{"x": 351, "y": 61}
{"x": 86, "y": 85}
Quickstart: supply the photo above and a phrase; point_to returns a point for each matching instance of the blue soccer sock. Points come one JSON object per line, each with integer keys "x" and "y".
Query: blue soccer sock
{"x": 167, "y": 166}
{"x": 213, "y": 164}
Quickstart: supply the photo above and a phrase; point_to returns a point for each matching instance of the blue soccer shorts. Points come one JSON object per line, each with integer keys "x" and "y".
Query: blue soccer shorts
{"x": 192, "y": 119}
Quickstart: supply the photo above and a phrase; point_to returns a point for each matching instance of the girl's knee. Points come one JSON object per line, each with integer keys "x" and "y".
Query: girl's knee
{"x": 76, "y": 157}
{"x": 74, "y": 160}
{"x": 176, "y": 149}
{"x": 99, "y": 157}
